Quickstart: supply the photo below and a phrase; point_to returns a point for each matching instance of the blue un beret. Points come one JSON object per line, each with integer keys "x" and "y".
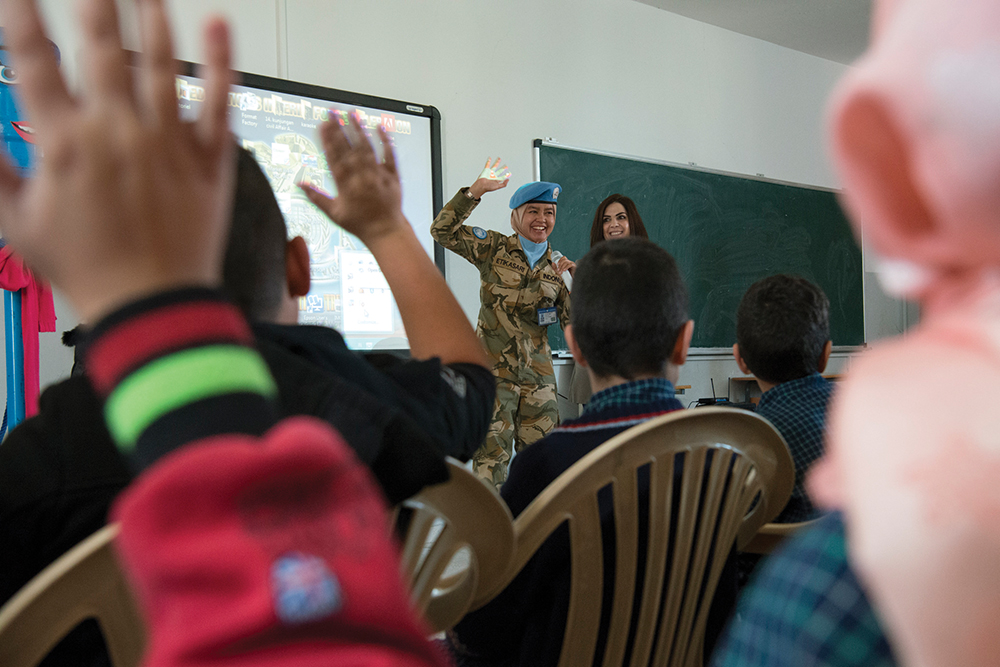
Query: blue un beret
{"x": 537, "y": 191}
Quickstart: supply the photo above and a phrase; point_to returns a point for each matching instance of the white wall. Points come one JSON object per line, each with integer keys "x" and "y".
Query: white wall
{"x": 613, "y": 75}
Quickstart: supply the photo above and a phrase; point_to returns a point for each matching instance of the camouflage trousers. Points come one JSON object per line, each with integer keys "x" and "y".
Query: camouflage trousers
{"x": 522, "y": 415}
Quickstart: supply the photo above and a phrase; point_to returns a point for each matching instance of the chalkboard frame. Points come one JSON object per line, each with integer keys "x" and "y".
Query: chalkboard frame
{"x": 537, "y": 145}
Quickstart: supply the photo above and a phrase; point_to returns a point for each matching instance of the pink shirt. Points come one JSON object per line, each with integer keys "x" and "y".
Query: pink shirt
{"x": 37, "y": 314}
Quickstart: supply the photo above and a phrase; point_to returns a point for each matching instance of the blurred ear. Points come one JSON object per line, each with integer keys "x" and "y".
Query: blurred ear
{"x": 573, "y": 347}
{"x": 680, "y": 352}
{"x": 739, "y": 360}
{"x": 875, "y": 162}
{"x": 881, "y": 12}
{"x": 824, "y": 358}
{"x": 297, "y": 267}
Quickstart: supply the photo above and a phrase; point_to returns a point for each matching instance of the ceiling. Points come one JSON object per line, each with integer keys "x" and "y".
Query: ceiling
{"x": 836, "y": 30}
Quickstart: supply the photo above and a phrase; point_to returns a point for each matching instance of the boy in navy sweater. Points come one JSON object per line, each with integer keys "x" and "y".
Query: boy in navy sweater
{"x": 783, "y": 339}
{"x": 630, "y": 330}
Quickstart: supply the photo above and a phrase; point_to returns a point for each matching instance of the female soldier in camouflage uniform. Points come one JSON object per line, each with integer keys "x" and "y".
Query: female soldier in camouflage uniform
{"x": 521, "y": 295}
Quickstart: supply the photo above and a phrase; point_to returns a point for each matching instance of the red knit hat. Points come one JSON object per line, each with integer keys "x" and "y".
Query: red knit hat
{"x": 271, "y": 551}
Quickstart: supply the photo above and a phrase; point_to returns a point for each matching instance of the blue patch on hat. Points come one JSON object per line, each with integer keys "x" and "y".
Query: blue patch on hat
{"x": 540, "y": 191}
{"x": 479, "y": 233}
{"x": 304, "y": 589}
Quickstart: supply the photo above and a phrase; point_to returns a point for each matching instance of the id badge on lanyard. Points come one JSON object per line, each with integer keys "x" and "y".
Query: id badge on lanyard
{"x": 547, "y": 316}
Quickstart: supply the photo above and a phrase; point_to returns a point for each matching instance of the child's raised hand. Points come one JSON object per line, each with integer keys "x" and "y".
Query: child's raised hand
{"x": 127, "y": 199}
{"x": 493, "y": 177}
{"x": 369, "y": 198}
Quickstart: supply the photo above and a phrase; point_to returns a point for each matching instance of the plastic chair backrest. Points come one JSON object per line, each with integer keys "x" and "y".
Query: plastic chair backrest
{"x": 715, "y": 506}
{"x": 469, "y": 514}
{"x": 771, "y": 535}
{"x": 85, "y": 582}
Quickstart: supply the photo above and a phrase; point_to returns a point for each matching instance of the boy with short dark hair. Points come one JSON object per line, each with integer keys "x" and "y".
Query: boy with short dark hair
{"x": 630, "y": 330}
{"x": 783, "y": 339}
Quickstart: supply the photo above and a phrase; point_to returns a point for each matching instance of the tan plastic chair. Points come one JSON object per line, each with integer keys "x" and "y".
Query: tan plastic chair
{"x": 749, "y": 454}
{"x": 470, "y": 515}
{"x": 83, "y": 583}
{"x": 771, "y": 535}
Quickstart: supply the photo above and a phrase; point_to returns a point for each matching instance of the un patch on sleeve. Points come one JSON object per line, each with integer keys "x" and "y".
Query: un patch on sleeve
{"x": 303, "y": 589}
{"x": 479, "y": 233}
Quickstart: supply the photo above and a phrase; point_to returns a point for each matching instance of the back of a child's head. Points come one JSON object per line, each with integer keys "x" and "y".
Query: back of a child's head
{"x": 628, "y": 305}
{"x": 782, "y": 326}
{"x": 253, "y": 273}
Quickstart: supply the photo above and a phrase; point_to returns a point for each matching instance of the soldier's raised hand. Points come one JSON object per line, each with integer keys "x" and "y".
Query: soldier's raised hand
{"x": 493, "y": 177}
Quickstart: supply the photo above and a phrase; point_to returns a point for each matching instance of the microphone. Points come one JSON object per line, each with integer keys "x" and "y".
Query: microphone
{"x": 566, "y": 276}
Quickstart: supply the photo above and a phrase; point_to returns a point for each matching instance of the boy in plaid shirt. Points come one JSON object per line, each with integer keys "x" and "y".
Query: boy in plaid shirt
{"x": 783, "y": 339}
{"x": 806, "y": 607}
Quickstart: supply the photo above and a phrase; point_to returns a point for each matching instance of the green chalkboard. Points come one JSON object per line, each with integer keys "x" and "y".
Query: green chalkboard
{"x": 726, "y": 232}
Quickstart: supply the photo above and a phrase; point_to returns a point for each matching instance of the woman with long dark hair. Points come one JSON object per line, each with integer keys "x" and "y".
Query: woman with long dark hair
{"x": 616, "y": 217}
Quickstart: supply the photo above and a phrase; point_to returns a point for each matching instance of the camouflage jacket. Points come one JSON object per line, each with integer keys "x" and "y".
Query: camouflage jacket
{"x": 511, "y": 294}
